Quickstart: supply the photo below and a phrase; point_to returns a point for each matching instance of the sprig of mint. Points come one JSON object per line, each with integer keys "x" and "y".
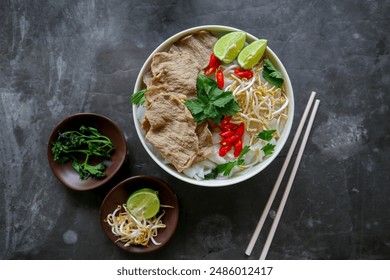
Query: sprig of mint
{"x": 271, "y": 75}
{"x": 211, "y": 102}
{"x": 227, "y": 167}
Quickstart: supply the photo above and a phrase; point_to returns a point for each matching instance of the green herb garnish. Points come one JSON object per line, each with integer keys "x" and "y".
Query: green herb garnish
{"x": 271, "y": 75}
{"x": 138, "y": 98}
{"x": 211, "y": 102}
{"x": 227, "y": 167}
{"x": 266, "y": 135}
{"x": 268, "y": 149}
{"x": 86, "y": 141}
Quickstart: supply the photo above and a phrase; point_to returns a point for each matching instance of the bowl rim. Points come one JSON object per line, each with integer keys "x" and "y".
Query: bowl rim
{"x": 100, "y": 182}
{"x": 142, "y": 250}
{"x": 256, "y": 169}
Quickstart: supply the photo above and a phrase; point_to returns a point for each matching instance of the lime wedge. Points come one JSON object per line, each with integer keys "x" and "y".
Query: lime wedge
{"x": 144, "y": 190}
{"x": 252, "y": 54}
{"x": 143, "y": 204}
{"x": 229, "y": 46}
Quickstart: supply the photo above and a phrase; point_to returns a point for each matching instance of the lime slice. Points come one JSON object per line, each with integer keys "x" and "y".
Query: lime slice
{"x": 143, "y": 204}
{"x": 229, "y": 46}
{"x": 252, "y": 54}
{"x": 144, "y": 190}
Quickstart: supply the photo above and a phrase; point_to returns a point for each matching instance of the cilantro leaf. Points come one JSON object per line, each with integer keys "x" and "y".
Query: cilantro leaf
{"x": 227, "y": 167}
{"x": 87, "y": 141}
{"x": 243, "y": 152}
{"x": 266, "y": 135}
{"x": 210, "y": 111}
{"x": 212, "y": 175}
{"x": 211, "y": 102}
{"x": 138, "y": 98}
{"x": 199, "y": 118}
{"x": 229, "y": 109}
{"x": 268, "y": 149}
{"x": 87, "y": 171}
{"x": 221, "y": 99}
{"x": 271, "y": 75}
{"x": 205, "y": 84}
{"x": 195, "y": 106}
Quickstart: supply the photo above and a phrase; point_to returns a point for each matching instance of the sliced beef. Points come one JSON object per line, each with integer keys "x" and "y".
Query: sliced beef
{"x": 175, "y": 73}
{"x": 168, "y": 123}
{"x": 147, "y": 78}
{"x": 155, "y": 91}
{"x": 205, "y": 140}
{"x": 199, "y": 45}
{"x": 172, "y": 131}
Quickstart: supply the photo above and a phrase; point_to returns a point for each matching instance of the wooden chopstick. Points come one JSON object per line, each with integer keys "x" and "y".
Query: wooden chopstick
{"x": 260, "y": 224}
{"x": 275, "y": 223}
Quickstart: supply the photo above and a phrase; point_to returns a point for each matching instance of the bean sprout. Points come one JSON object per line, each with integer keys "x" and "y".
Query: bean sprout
{"x": 260, "y": 102}
{"x": 132, "y": 231}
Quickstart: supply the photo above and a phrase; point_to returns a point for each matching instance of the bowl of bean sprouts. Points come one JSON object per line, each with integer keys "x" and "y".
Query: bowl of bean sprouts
{"x": 131, "y": 233}
{"x": 264, "y": 108}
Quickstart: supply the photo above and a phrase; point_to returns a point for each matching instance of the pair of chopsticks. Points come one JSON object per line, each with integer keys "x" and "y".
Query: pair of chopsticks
{"x": 279, "y": 212}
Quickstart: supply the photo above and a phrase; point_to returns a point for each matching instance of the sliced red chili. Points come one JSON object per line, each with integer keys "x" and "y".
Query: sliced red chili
{"x": 229, "y": 140}
{"x": 225, "y": 121}
{"x": 213, "y": 65}
{"x": 224, "y": 150}
{"x": 227, "y": 133}
{"x": 214, "y": 61}
{"x": 240, "y": 130}
{"x": 232, "y": 136}
{"x": 237, "y": 147}
{"x": 243, "y": 73}
{"x": 210, "y": 70}
{"x": 220, "y": 79}
{"x": 230, "y": 126}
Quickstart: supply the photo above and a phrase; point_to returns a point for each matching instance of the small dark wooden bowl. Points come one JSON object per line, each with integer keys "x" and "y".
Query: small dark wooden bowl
{"x": 65, "y": 172}
{"x": 118, "y": 196}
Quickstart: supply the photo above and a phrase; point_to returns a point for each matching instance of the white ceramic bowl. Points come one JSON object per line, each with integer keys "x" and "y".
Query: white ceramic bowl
{"x": 218, "y": 31}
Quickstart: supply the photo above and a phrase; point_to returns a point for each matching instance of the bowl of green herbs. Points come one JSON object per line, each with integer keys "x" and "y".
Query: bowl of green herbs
{"x": 86, "y": 150}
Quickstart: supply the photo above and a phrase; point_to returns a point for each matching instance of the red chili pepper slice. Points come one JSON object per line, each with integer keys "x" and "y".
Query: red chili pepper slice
{"x": 220, "y": 79}
{"x": 214, "y": 61}
{"x": 230, "y": 126}
{"x": 237, "y": 147}
{"x": 227, "y": 133}
{"x": 243, "y": 73}
{"x": 240, "y": 130}
{"x": 232, "y": 136}
{"x": 213, "y": 65}
{"x": 210, "y": 70}
{"x": 229, "y": 140}
{"x": 224, "y": 150}
{"x": 225, "y": 121}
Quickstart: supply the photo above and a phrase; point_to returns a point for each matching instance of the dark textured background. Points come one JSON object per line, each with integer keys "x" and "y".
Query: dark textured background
{"x": 63, "y": 57}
